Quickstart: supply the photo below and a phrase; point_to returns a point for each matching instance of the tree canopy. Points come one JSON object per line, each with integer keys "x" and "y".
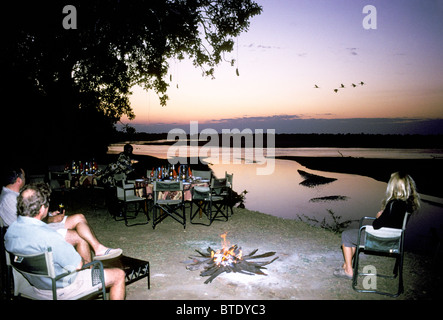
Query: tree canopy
{"x": 71, "y": 86}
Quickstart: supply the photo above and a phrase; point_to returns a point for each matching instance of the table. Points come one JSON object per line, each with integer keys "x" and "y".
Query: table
{"x": 147, "y": 190}
{"x": 135, "y": 269}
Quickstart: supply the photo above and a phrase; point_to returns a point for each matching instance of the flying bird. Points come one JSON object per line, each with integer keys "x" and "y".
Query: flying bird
{"x": 316, "y": 87}
{"x": 362, "y": 83}
{"x": 342, "y": 86}
{"x": 335, "y": 90}
{"x": 354, "y": 85}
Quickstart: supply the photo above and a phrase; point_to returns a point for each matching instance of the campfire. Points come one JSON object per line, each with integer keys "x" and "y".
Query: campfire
{"x": 228, "y": 259}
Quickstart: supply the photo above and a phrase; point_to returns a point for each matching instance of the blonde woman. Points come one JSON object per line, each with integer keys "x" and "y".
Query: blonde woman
{"x": 401, "y": 197}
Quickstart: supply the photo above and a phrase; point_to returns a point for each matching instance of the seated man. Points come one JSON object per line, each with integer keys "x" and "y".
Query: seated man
{"x": 30, "y": 235}
{"x": 75, "y": 228}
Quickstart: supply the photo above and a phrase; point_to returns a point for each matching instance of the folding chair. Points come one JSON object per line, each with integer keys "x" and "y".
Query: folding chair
{"x": 210, "y": 200}
{"x": 168, "y": 201}
{"x": 126, "y": 196}
{"x": 388, "y": 242}
{"x": 202, "y": 174}
{"x": 42, "y": 265}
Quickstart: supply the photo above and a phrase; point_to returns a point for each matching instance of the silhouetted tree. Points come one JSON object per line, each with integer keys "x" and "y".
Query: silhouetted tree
{"x": 70, "y": 86}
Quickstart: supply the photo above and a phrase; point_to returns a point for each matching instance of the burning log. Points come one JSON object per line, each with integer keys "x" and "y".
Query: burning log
{"x": 228, "y": 260}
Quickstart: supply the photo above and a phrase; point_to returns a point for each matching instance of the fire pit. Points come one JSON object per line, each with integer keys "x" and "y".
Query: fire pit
{"x": 228, "y": 259}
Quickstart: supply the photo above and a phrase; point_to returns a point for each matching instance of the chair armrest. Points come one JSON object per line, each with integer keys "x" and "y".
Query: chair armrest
{"x": 84, "y": 267}
{"x": 362, "y": 220}
{"x": 95, "y": 262}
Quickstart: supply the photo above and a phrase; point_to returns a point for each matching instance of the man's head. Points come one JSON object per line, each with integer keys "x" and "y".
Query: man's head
{"x": 34, "y": 200}
{"x": 127, "y": 149}
{"x": 14, "y": 177}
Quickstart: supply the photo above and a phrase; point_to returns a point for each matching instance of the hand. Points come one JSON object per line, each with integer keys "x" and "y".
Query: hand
{"x": 379, "y": 214}
{"x": 56, "y": 217}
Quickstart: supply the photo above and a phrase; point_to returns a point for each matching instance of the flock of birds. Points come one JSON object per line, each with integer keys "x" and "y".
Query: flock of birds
{"x": 342, "y": 86}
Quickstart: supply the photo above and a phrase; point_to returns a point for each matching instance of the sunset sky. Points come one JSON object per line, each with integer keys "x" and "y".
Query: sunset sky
{"x": 297, "y": 44}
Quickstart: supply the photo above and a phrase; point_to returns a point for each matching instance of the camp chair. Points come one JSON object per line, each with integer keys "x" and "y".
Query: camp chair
{"x": 168, "y": 201}
{"x": 42, "y": 265}
{"x": 202, "y": 174}
{"x": 210, "y": 200}
{"x": 387, "y": 242}
{"x": 126, "y": 196}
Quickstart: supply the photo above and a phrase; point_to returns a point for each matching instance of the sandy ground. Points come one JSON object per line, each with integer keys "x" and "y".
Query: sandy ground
{"x": 307, "y": 257}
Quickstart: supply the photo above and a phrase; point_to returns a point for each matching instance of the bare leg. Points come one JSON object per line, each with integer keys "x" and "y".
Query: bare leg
{"x": 348, "y": 254}
{"x": 79, "y": 223}
{"x": 115, "y": 280}
{"x": 80, "y": 245}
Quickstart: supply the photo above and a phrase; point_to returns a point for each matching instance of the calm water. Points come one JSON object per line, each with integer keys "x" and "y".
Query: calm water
{"x": 280, "y": 193}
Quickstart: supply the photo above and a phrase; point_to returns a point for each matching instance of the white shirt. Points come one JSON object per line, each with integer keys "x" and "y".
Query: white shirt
{"x": 8, "y": 206}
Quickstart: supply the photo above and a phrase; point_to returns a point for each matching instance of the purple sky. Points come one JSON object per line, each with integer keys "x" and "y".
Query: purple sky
{"x": 293, "y": 46}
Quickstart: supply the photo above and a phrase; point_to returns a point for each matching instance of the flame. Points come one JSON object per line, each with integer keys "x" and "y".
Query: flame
{"x": 228, "y": 254}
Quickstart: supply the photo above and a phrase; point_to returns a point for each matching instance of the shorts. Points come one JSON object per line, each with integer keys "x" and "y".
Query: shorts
{"x": 59, "y": 227}
{"x": 349, "y": 237}
{"x": 86, "y": 281}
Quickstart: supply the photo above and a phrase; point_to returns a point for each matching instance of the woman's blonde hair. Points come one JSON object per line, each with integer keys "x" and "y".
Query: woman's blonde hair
{"x": 401, "y": 186}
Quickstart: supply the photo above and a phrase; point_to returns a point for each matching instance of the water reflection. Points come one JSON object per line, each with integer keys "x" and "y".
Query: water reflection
{"x": 281, "y": 194}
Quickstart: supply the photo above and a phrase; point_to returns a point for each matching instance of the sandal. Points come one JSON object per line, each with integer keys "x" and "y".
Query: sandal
{"x": 340, "y": 273}
{"x": 109, "y": 254}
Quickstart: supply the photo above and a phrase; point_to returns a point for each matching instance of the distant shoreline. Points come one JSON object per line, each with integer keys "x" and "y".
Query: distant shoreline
{"x": 314, "y": 140}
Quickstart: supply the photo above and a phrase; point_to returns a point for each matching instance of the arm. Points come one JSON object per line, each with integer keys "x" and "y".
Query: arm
{"x": 55, "y": 216}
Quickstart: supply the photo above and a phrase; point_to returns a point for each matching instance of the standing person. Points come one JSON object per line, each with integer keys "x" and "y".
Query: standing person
{"x": 30, "y": 235}
{"x": 401, "y": 197}
{"x": 74, "y": 228}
